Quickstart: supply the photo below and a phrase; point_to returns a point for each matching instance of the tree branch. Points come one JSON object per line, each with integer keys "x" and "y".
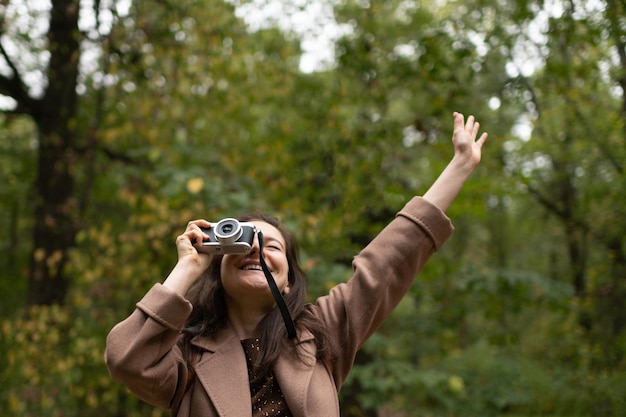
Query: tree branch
{"x": 613, "y": 14}
{"x": 14, "y": 86}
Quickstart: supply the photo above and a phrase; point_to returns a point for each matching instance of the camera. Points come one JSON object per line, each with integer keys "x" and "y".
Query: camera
{"x": 228, "y": 236}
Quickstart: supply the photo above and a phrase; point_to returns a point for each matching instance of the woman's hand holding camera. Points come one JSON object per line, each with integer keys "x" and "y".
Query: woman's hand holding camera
{"x": 191, "y": 263}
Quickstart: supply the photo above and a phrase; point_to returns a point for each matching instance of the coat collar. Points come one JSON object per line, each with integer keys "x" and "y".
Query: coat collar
{"x": 294, "y": 373}
{"x": 223, "y": 373}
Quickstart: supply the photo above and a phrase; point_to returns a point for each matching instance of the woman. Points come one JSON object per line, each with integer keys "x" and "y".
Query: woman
{"x": 221, "y": 348}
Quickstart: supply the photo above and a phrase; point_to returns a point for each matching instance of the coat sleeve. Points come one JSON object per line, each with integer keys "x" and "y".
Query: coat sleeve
{"x": 141, "y": 351}
{"x": 382, "y": 274}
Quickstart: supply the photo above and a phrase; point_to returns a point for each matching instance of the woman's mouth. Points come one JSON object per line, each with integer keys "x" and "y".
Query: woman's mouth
{"x": 252, "y": 267}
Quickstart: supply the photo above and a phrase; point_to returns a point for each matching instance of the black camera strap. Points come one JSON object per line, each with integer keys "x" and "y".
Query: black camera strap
{"x": 280, "y": 301}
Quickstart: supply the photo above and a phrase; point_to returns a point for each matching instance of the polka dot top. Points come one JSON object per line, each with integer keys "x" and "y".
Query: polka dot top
{"x": 267, "y": 398}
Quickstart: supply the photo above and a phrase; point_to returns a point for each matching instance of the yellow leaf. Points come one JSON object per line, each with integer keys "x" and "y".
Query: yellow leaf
{"x": 456, "y": 384}
{"x": 194, "y": 185}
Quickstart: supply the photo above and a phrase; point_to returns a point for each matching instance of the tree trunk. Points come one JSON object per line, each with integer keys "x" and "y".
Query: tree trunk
{"x": 56, "y": 211}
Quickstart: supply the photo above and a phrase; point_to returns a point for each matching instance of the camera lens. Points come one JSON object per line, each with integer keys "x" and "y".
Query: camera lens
{"x": 227, "y": 231}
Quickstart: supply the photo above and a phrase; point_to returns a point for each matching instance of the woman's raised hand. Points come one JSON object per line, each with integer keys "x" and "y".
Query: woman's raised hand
{"x": 467, "y": 154}
{"x": 466, "y": 146}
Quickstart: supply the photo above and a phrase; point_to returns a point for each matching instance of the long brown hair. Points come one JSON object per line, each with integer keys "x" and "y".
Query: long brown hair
{"x": 209, "y": 313}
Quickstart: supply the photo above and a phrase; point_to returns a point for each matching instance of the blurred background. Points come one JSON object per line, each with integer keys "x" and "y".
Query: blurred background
{"x": 122, "y": 120}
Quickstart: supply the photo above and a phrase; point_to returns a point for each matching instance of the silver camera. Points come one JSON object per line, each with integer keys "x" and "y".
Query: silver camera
{"x": 228, "y": 236}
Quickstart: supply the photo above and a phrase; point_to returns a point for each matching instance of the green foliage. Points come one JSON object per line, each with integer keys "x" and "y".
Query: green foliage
{"x": 187, "y": 114}
{"x": 52, "y": 364}
{"x": 486, "y": 343}
{"x": 16, "y": 174}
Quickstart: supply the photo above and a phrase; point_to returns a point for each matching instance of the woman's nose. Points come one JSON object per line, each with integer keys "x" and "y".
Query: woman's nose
{"x": 255, "y": 244}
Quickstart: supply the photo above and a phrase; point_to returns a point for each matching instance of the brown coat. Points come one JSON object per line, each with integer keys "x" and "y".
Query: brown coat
{"x": 141, "y": 351}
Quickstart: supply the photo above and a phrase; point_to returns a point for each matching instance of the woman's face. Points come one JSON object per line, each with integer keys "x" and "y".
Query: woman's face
{"x": 242, "y": 277}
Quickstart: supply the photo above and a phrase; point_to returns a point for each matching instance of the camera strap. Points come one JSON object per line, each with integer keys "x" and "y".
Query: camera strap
{"x": 278, "y": 297}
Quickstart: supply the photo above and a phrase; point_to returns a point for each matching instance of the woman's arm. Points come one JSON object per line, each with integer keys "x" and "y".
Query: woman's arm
{"x": 467, "y": 153}
{"x": 141, "y": 351}
{"x": 386, "y": 268}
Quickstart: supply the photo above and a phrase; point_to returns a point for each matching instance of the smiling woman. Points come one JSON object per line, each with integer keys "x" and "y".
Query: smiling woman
{"x": 213, "y": 335}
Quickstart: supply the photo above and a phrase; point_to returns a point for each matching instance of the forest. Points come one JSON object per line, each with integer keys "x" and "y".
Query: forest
{"x": 121, "y": 120}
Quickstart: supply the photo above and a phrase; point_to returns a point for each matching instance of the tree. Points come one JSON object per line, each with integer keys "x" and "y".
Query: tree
{"x": 573, "y": 165}
{"x": 56, "y": 205}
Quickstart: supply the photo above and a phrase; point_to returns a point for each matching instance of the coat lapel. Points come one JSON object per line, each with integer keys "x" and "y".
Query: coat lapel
{"x": 294, "y": 374}
{"x": 224, "y": 374}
